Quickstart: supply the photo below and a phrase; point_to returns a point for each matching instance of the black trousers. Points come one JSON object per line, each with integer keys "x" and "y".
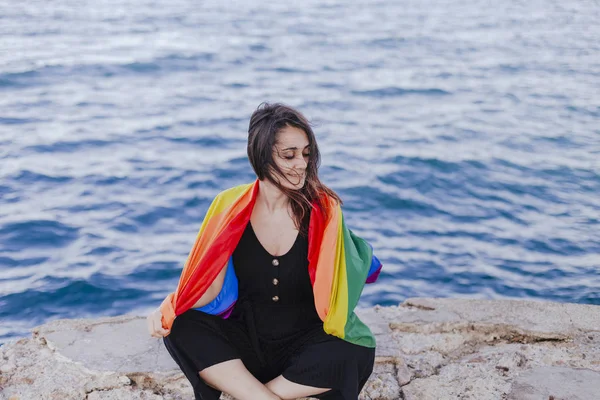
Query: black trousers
{"x": 313, "y": 358}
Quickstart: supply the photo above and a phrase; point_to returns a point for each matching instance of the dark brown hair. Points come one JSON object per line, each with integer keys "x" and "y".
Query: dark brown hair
{"x": 266, "y": 121}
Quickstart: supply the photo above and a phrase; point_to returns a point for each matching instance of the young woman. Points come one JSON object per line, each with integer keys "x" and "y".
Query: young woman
{"x": 264, "y": 305}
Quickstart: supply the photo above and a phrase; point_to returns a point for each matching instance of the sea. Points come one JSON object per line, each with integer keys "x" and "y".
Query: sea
{"x": 462, "y": 136}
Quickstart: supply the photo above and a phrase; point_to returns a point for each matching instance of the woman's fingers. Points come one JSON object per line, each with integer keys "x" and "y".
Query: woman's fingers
{"x": 162, "y": 331}
{"x": 157, "y": 326}
{"x": 154, "y": 324}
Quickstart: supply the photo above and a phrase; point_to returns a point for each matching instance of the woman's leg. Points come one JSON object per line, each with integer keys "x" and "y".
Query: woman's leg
{"x": 290, "y": 390}
{"x": 202, "y": 391}
{"x": 210, "y": 351}
{"x": 230, "y": 377}
{"x": 331, "y": 363}
{"x": 233, "y": 378}
{"x": 211, "y": 358}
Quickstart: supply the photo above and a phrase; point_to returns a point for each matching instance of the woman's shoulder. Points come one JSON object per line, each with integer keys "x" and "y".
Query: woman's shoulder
{"x": 233, "y": 192}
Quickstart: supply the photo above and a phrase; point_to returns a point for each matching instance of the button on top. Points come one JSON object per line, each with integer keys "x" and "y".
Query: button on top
{"x": 275, "y": 281}
{"x": 275, "y": 298}
{"x": 275, "y": 262}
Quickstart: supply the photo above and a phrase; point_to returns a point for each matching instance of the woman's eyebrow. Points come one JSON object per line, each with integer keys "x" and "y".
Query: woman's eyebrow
{"x": 295, "y": 148}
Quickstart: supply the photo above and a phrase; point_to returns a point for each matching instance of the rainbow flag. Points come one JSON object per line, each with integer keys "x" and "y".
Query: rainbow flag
{"x": 340, "y": 263}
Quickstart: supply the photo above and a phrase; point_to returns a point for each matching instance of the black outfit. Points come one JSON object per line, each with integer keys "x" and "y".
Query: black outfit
{"x": 274, "y": 329}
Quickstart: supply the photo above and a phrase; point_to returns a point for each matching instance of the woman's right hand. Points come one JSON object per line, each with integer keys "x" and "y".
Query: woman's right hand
{"x": 154, "y": 323}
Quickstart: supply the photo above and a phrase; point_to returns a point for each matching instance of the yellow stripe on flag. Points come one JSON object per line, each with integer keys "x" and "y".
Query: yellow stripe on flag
{"x": 338, "y": 307}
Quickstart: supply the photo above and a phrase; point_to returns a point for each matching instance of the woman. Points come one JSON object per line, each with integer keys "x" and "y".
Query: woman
{"x": 264, "y": 305}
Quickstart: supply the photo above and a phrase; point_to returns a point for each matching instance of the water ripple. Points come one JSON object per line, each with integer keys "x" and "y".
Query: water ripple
{"x": 397, "y": 92}
{"x": 18, "y": 236}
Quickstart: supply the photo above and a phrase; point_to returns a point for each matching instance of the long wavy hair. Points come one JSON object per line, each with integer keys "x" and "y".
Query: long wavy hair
{"x": 266, "y": 121}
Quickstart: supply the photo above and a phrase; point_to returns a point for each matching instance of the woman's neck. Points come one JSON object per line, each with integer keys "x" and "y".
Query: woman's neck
{"x": 271, "y": 198}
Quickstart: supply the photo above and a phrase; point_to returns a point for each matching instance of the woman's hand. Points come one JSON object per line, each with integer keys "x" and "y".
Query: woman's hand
{"x": 154, "y": 322}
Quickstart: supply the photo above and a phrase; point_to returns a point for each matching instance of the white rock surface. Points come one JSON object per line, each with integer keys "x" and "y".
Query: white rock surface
{"x": 557, "y": 382}
{"x": 427, "y": 349}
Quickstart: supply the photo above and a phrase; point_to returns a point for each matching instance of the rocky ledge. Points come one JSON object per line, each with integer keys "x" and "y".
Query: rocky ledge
{"x": 427, "y": 349}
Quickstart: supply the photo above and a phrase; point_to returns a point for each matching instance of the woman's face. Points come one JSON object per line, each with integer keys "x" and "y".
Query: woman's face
{"x": 291, "y": 154}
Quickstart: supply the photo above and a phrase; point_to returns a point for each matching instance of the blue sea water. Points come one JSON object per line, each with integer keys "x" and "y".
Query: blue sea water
{"x": 463, "y": 136}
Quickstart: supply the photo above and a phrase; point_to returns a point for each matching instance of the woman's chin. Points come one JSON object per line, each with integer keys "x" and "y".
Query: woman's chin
{"x": 293, "y": 185}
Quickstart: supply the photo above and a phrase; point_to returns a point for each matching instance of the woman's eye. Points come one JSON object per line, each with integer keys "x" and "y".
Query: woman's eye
{"x": 292, "y": 156}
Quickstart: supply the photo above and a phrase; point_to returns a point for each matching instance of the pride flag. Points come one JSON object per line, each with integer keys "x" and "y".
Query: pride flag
{"x": 340, "y": 263}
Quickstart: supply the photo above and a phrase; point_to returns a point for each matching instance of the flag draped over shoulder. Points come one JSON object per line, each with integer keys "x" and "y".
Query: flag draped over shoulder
{"x": 340, "y": 263}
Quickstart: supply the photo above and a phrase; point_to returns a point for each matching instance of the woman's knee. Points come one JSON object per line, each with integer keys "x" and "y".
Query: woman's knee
{"x": 287, "y": 389}
{"x": 180, "y": 330}
{"x": 182, "y": 323}
{"x": 234, "y": 378}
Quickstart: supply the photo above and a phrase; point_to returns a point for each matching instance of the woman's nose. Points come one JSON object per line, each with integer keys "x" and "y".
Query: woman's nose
{"x": 300, "y": 162}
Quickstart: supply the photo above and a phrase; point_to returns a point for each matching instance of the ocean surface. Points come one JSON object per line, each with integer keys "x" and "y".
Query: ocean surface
{"x": 463, "y": 137}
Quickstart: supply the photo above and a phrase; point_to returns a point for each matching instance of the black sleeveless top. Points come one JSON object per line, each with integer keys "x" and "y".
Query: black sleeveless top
{"x": 276, "y": 289}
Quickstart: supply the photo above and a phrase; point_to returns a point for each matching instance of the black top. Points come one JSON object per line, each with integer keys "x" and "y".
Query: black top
{"x": 278, "y": 289}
